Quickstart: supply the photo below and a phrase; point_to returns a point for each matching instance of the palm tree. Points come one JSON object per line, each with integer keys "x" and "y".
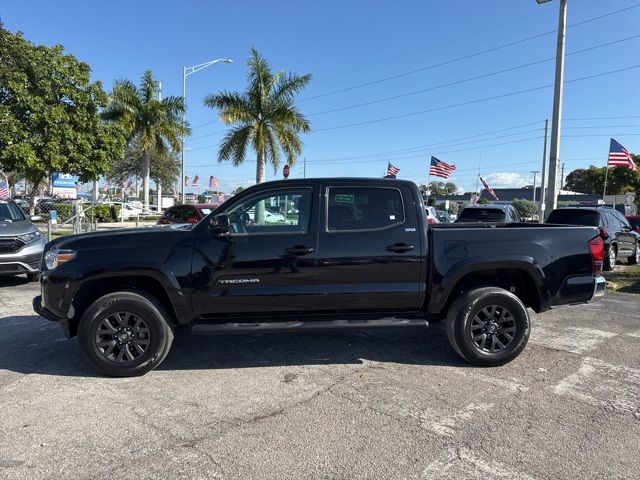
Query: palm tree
{"x": 155, "y": 125}
{"x": 265, "y": 116}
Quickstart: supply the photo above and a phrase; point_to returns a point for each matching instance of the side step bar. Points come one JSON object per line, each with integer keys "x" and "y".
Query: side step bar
{"x": 313, "y": 326}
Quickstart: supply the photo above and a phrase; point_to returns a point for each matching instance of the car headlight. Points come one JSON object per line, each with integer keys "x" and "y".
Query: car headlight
{"x": 30, "y": 237}
{"x": 54, "y": 258}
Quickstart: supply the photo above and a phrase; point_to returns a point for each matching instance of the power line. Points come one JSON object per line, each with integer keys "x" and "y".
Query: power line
{"x": 465, "y": 57}
{"x": 479, "y": 100}
{"x": 470, "y": 79}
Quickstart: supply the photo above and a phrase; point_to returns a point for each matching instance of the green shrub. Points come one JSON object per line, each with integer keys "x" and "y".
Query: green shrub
{"x": 102, "y": 213}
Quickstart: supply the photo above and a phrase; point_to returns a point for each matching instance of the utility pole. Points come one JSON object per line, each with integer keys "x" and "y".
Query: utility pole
{"x": 304, "y": 169}
{"x": 543, "y": 177}
{"x": 554, "y": 157}
{"x": 535, "y": 172}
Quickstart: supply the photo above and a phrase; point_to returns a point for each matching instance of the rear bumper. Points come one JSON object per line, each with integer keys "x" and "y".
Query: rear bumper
{"x": 599, "y": 287}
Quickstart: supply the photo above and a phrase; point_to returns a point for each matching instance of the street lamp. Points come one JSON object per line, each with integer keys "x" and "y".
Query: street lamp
{"x": 535, "y": 172}
{"x": 186, "y": 71}
{"x": 554, "y": 154}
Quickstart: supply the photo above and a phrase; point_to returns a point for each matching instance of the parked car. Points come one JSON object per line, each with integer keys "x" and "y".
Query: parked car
{"x": 357, "y": 255}
{"x": 443, "y": 216}
{"x": 186, "y": 213}
{"x": 21, "y": 243}
{"x": 432, "y": 215}
{"x": 620, "y": 241}
{"x": 634, "y": 221}
{"x": 490, "y": 213}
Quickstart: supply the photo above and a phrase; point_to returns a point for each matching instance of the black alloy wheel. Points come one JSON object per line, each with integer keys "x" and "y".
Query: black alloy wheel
{"x": 122, "y": 337}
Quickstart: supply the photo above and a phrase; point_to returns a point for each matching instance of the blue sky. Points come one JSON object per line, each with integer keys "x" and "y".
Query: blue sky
{"x": 345, "y": 44}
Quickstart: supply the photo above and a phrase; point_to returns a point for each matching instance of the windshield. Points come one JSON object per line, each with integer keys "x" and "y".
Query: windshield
{"x": 481, "y": 215}
{"x": 10, "y": 212}
{"x": 575, "y": 217}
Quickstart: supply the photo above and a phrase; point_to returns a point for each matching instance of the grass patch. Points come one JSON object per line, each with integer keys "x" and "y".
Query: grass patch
{"x": 625, "y": 278}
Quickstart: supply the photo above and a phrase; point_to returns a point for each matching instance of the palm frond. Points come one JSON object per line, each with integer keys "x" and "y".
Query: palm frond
{"x": 233, "y": 146}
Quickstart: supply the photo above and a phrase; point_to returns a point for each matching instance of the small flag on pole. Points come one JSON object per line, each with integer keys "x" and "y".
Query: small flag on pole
{"x": 4, "y": 189}
{"x": 489, "y": 189}
{"x": 438, "y": 168}
{"x": 213, "y": 182}
{"x": 392, "y": 171}
{"x": 196, "y": 179}
{"x": 186, "y": 180}
{"x": 620, "y": 156}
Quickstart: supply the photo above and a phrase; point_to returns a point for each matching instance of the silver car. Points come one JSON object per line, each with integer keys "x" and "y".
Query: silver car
{"x": 21, "y": 243}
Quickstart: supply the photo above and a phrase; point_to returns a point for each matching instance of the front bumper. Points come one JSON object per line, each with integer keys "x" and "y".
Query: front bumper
{"x": 49, "y": 315}
{"x": 25, "y": 260}
{"x": 599, "y": 287}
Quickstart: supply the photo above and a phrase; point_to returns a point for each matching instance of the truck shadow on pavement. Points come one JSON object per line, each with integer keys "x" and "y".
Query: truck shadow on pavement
{"x": 31, "y": 344}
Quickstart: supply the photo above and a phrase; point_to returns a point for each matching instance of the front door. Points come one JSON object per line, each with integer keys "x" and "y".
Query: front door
{"x": 369, "y": 255}
{"x": 266, "y": 263}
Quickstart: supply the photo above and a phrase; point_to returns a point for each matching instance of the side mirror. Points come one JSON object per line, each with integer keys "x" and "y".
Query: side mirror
{"x": 219, "y": 224}
{"x": 36, "y": 218}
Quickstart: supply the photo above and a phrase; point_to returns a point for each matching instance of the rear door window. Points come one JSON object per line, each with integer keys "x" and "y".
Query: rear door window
{"x": 361, "y": 208}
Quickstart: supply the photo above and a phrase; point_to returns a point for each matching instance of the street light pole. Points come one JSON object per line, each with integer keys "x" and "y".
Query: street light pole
{"x": 186, "y": 71}
{"x": 535, "y": 172}
{"x": 556, "y": 120}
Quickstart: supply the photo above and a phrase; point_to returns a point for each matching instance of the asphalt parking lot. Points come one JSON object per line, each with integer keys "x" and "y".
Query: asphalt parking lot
{"x": 388, "y": 404}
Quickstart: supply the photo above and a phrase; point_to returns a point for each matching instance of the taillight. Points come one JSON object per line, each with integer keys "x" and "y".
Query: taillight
{"x": 603, "y": 232}
{"x": 430, "y": 220}
{"x": 596, "y": 248}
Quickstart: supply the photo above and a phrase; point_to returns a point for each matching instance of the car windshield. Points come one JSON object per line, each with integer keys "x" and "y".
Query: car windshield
{"x": 574, "y": 217}
{"x": 481, "y": 215}
{"x": 10, "y": 212}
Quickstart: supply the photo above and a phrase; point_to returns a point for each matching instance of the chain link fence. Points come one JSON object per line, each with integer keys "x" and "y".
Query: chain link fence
{"x": 58, "y": 217}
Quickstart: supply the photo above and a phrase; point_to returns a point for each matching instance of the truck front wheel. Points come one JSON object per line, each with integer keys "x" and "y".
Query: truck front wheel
{"x": 488, "y": 326}
{"x": 125, "y": 334}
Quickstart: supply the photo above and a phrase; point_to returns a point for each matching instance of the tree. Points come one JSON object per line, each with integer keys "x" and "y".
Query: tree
{"x": 483, "y": 201}
{"x": 620, "y": 180}
{"x": 525, "y": 208}
{"x": 154, "y": 125}
{"x": 440, "y": 188}
{"x": 49, "y": 114}
{"x": 265, "y": 117}
{"x": 237, "y": 190}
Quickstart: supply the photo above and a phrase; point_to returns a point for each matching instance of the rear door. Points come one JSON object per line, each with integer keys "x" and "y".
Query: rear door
{"x": 627, "y": 239}
{"x": 369, "y": 248}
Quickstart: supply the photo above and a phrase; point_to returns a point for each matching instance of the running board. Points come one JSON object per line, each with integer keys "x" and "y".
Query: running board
{"x": 278, "y": 327}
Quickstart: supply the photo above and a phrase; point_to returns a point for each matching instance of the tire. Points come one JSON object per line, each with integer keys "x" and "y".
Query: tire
{"x": 610, "y": 258}
{"x": 467, "y": 315}
{"x": 33, "y": 277}
{"x": 125, "y": 334}
{"x": 635, "y": 258}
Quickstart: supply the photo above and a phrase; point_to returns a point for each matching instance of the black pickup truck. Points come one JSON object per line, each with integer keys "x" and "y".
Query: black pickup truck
{"x": 311, "y": 255}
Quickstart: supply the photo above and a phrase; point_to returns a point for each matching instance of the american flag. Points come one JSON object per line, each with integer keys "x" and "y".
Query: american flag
{"x": 4, "y": 190}
{"x": 392, "y": 171}
{"x": 221, "y": 197}
{"x": 620, "y": 156}
{"x": 196, "y": 179}
{"x": 213, "y": 182}
{"x": 439, "y": 168}
{"x": 489, "y": 189}
{"x": 186, "y": 180}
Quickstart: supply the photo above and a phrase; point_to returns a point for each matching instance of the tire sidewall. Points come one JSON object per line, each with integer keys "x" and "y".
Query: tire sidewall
{"x": 125, "y": 302}
{"x": 468, "y": 306}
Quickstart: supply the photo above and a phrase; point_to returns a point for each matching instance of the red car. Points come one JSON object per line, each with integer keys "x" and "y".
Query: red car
{"x": 635, "y": 222}
{"x": 187, "y": 213}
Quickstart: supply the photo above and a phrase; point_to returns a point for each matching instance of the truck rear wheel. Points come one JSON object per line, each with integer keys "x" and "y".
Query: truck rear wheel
{"x": 125, "y": 334}
{"x": 488, "y": 326}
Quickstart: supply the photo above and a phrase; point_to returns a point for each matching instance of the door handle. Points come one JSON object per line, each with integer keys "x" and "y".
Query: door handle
{"x": 298, "y": 250}
{"x": 399, "y": 247}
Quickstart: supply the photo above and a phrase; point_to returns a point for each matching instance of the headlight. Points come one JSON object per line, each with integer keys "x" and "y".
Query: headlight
{"x": 30, "y": 237}
{"x": 55, "y": 257}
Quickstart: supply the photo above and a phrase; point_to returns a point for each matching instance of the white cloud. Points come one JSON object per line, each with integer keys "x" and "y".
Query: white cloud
{"x": 507, "y": 180}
